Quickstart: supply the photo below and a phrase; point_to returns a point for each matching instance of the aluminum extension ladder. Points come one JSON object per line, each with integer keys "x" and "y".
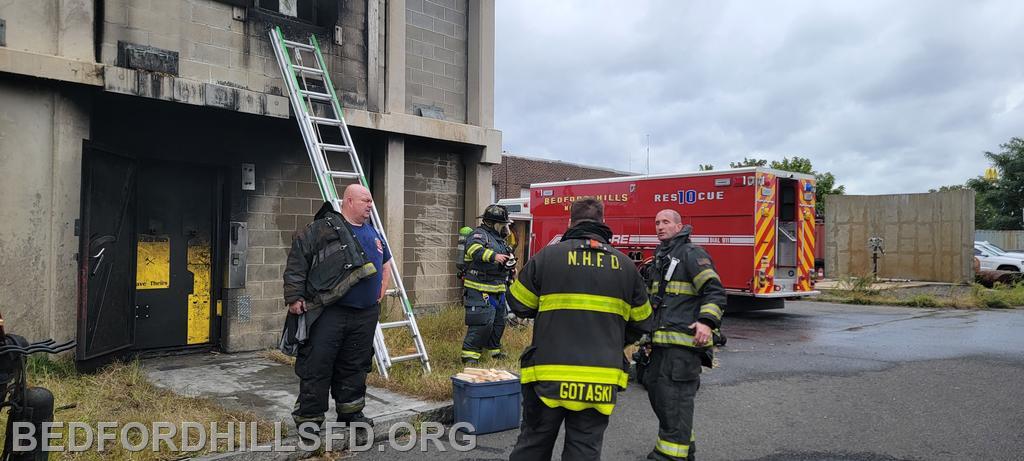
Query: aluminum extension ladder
{"x": 316, "y": 107}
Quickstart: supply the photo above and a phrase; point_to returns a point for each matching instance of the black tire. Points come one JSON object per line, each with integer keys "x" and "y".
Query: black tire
{"x": 1007, "y": 267}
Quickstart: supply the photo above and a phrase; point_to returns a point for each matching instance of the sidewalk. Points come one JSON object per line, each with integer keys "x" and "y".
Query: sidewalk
{"x": 250, "y": 382}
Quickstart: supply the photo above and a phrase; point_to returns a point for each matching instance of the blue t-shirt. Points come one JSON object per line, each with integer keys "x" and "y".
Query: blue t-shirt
{"x": 364, "y": 294}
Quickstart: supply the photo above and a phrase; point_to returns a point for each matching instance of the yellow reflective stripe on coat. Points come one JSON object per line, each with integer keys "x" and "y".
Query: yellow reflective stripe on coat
{"x": 675, "y": 338}
{"x": 700, "y": 279}
{"x": 677, "y": 450}
{"x": 680, "y": 288}
{"x": 471, "y": 250}
{"x": 603, "y": 408}
{"x": 485, "y": 287}
{"x": 574, "y": 373}
{"x": 585, "y": 302}
{"x": 641, "y": 312}
{"x": 653, "y": 290}
{"x": 713, "y": 309}
{"x": 488, "y": 255}
{"x": 524, "y": 295}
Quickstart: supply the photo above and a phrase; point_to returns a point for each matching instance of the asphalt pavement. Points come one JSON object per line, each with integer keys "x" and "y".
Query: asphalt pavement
{"x": 818, "y": 381}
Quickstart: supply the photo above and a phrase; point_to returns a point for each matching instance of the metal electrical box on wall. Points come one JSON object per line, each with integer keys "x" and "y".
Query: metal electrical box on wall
{"x": 3, "y": 32}
{"x": 238, "y": 243}
{"x": 248, "y": 176}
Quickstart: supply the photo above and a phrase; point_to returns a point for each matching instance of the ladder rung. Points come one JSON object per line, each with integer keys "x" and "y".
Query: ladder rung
{"x": 301, "y": 46}
{"x": 325, "y": 121}
{"x": 315, "y": 95}
{"x": 400, "y": 323}
{"x": 335, "y": 147}
{"x": 405, "y": 358}
{"x": 343, "y": 174}
{"x": 308, "y": 70}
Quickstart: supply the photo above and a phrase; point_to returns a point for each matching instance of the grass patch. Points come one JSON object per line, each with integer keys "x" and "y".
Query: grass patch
{"x": 978, "y": 297}
{"x": 121, "y": 393}
{"x": 442, "y": 333}
{"x": 1000, "y": 296}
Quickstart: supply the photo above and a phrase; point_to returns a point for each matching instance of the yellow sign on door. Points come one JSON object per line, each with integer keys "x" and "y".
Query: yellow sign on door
{"x": 153, "y": 263}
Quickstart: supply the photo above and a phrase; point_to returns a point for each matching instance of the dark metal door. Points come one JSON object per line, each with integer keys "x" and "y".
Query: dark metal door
{"x": 173, "y": 298}
{"x": 107, "y": 258}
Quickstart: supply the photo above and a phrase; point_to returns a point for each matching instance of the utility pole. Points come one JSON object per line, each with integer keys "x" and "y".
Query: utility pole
{"x": 648, "y": 155}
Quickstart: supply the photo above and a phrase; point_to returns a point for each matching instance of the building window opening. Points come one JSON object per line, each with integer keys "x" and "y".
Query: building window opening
{"x": 303, "y": 10}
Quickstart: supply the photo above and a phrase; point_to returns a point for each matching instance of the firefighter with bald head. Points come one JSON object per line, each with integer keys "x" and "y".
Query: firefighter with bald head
{"x": 485, "y": 281}
{"x": 588, "y": 301}
{"x": 688, "y": 300}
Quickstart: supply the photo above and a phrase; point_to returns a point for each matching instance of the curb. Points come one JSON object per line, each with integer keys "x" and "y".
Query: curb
{"x": 441, "y": 412}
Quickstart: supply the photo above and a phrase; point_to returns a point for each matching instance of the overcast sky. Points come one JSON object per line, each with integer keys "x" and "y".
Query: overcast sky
{"x": 897, "y": 96}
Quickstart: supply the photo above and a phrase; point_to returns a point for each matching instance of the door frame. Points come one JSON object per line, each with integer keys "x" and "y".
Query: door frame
{"x": 220, "y": 203}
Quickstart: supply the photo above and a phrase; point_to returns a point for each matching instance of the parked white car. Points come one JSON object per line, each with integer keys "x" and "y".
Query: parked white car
{"x": 990, "y": 260}
{"x": 999, "y": 251}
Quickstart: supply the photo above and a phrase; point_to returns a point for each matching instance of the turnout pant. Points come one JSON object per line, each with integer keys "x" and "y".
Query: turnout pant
{"x": 584, "y": 431}
{"x": 485, "y": 323}
{"x": 335, "y": 359}
{"x": 672, "y": 380}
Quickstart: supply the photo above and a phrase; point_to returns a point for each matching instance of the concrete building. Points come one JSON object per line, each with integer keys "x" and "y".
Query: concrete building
{"x": 148, "y": 143}
{"x": 512, "y": 178}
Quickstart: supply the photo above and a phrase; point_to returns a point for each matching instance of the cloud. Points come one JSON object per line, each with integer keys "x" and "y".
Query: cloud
{"x": 889, "y": 96}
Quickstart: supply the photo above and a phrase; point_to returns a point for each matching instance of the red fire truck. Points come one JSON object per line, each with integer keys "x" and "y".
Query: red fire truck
{"x": 756, "y": 223}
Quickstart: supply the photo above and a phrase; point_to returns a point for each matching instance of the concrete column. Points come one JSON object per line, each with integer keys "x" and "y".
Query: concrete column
{"x": 478, "y": 184}
{"x": 74, "y": 31}
{"x": 394, "y": 69}
{"x": 71, "y": 111}
{"x": 389, "y": 193}
{"x": 374, "y": 23}
{"x": 480, "y": 81}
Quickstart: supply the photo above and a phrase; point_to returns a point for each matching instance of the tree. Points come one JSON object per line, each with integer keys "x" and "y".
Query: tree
{"x": 748, "y": 162}
{"x": 705, "y": 167}
{"x": 998, "y": 202}
{"x": 825, "y": 183}
{"x": 949, "y": 188}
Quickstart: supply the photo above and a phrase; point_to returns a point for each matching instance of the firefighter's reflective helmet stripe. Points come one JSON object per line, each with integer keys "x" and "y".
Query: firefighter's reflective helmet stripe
{"x": 603, "y": 408}
{"x": 680, "y": 288}
{"x": 472, "y": 251}
{"x": 485, "y": 287}
{"x": 700, "y": 279}
{"x": 574, "y": 373}
{"x": 676, "y": 338}
{"x": 524, "y": 295}
{"x": 676, "y": 450}
{"x": 711, "y": 309}
{"x": 470, "y": 354}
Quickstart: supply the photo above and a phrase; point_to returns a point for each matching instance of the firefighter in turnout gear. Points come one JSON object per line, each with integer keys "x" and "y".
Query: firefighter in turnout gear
{"x": 485, "y": 282}
{"x": 688, "y": 300}
{"x": 588, "y": 302}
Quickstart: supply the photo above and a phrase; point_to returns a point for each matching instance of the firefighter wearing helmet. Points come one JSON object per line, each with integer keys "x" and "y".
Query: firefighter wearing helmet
{"x": 488, "y": 260}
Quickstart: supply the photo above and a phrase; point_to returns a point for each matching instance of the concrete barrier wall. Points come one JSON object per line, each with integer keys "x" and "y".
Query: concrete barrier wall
{"x": 1008, "y": 240}
{"x": 926, "y": 236}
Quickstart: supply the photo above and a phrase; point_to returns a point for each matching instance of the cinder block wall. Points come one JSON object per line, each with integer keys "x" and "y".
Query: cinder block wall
{"x": 434, "y": 204}
{"x": 436, "y": 56}
{"x": 927, "y": 236}
{"x": 214, "y": 47}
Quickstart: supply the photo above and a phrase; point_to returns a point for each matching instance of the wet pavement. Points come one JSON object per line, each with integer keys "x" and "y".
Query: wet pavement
{"x": 819, "y": 382}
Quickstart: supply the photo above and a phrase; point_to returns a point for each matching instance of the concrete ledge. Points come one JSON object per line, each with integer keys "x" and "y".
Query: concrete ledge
{"x": 169, "y": 88}
{"x": 50, "y": 67}
{"x": 430, "y": 128}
